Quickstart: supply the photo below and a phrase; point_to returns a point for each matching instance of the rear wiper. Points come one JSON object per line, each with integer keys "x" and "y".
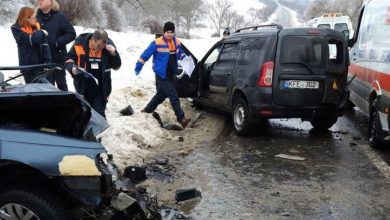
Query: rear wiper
{"x": 305, "y": 64}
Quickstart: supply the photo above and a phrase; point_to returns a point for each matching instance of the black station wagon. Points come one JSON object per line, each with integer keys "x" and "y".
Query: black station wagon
{"x": 269, "y": 72}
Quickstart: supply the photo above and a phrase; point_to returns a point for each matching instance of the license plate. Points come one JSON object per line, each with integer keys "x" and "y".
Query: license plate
{"x": 301, "y": 84}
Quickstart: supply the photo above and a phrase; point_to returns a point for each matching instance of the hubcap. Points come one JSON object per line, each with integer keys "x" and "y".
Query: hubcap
{"x": 13, "y": 211}
{"x": 239, "y": 117}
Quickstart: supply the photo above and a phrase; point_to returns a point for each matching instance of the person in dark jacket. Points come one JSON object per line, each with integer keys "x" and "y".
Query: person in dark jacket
{"x": 166, "y": 51}
{"x": 90, "y": 61}
{"x": 32, "y": 43}
{"x": 61, "y": 32}
{"x": 226, "y": 33}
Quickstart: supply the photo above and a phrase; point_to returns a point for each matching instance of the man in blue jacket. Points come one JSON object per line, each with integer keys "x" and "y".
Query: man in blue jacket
{"x": 90, "y": 61}
{"x": 61, "y": 32}
{"x": 166, "y": 51}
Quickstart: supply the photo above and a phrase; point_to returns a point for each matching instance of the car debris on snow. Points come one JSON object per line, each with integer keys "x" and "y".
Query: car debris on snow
{"x": 186, "y": 194}
{"x": 290, "y": 157}
{"x": 168, "y": 213}
{"x": 127, "y": 111}
{"x": 135, "y": 174}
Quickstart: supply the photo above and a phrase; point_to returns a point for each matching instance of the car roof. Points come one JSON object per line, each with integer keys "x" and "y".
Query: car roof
{"x": 268, "y": 31}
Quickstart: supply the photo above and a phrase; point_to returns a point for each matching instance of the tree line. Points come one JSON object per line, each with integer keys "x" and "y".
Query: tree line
{"x": 123, "y": 15}
{"x": 149, "y": 15}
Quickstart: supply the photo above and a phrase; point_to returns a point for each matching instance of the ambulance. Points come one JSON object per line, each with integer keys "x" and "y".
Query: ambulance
{"x": 335, "y": 21}
{"x": 370, "y": 68}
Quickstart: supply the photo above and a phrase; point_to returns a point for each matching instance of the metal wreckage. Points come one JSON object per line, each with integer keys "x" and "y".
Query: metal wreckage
{"x": 52, "y": 165}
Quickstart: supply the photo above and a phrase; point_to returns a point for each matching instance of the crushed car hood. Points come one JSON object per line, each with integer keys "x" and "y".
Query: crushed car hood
{"x": 17, "y": 143}
{"x": 44, "y": 107}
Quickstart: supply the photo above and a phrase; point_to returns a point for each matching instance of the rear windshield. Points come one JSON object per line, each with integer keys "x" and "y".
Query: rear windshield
{"x": 341, "y": 27}
{"x": 302, "y": 49}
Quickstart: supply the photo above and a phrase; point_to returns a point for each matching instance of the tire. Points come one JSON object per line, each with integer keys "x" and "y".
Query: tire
{"x": 19, "y": 203}
{"x": 374, "y": 127}
{"x": 241, "y": 117}
{"x": 323, "y": 123}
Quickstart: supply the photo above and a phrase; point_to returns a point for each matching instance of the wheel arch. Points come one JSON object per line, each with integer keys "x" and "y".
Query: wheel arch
{"x": 238, "y": 93}
{"x": 12, "y": 172}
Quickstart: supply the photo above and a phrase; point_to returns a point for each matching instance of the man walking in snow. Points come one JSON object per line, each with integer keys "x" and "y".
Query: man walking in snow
{"x": 90, "y": 61}
{"x": 166, "y": 51}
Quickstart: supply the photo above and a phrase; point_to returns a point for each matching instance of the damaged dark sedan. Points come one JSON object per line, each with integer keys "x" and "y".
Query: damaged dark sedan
{"x": 52, "y": 167}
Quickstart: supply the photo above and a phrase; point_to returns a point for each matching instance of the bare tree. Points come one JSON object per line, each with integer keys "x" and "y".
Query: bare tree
{"x": 192, "y": 14}
{"x": 73, "y": 9}
{"x": 317, "y": 8}
{"x": 114, "y": 15}
{"x": 233, "y": 20}
{"x": 256, "y": 16}
{"x": 218, "y": 13}
{"x": 153, "y": 25}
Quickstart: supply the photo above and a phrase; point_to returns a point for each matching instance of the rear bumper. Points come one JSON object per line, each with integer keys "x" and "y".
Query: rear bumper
{"x": 262, "y": 105}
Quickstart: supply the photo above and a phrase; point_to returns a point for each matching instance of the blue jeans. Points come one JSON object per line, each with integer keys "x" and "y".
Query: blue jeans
{"x": 165, "y": 90}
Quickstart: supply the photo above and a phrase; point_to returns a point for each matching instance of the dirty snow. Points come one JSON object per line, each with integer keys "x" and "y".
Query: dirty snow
{"x": 130, "y": 138}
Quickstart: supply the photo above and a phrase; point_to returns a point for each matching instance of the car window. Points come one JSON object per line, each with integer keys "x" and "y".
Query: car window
{"x": 341, "y": 27}
{"x": 229, "y": 54}
{"x": 324, "y": 25}
{"x": 212, "y": 58}
{"x": 250, "y": 48}
{"x": 335, "y": 52}
{"x": 302, "y": 49}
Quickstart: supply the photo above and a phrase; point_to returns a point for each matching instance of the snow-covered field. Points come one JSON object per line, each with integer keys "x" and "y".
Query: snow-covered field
{"x": 129, "y": 137}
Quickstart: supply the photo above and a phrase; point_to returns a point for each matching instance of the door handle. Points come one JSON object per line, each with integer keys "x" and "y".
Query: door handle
{"x": 228, "y": 74}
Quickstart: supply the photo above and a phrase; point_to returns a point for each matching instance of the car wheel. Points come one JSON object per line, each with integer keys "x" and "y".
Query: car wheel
{"x": 20, "y": 203}
{"x": 374, "y": 127}
{"x": 241, "y": 119}
{"x": 323, "y": 122}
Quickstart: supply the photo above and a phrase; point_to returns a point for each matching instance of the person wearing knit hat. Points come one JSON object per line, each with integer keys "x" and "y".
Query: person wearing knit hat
{"x": 169, "y": 26}
{"x": 166, "y": 51}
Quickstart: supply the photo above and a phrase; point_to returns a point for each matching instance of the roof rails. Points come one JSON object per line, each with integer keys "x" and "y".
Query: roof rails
{"x": 254, "y": 28}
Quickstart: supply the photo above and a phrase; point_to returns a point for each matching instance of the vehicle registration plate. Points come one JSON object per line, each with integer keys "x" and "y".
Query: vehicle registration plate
{"x": 301, "y": 84}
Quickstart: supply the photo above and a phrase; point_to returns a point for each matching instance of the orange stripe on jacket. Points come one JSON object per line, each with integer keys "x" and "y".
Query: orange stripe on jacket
{"x": 30, "y": 29}
{"x": 171, "y": 45}
{"x": 79, "y": 51}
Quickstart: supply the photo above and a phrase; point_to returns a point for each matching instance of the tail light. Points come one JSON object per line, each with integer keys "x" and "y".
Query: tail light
{"x": 266, "y": 74}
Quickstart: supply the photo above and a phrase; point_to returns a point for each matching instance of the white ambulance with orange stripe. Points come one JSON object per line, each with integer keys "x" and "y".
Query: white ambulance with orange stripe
{"x": 370, "y": 68}
{"x": 335, "y": 21}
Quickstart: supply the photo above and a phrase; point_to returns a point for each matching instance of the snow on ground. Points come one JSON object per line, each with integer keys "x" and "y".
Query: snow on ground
{"x": 129, "y": 138}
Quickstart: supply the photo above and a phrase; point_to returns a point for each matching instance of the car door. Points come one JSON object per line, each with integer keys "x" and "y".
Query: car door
{"x": 185, "y": 82}
{"x": 221, "y": 74}
{"x": 360, "y": 86}
{"x": 305, "y": 72}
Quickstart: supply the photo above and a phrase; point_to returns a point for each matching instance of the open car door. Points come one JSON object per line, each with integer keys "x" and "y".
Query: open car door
{"x": 185, "y": 81}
